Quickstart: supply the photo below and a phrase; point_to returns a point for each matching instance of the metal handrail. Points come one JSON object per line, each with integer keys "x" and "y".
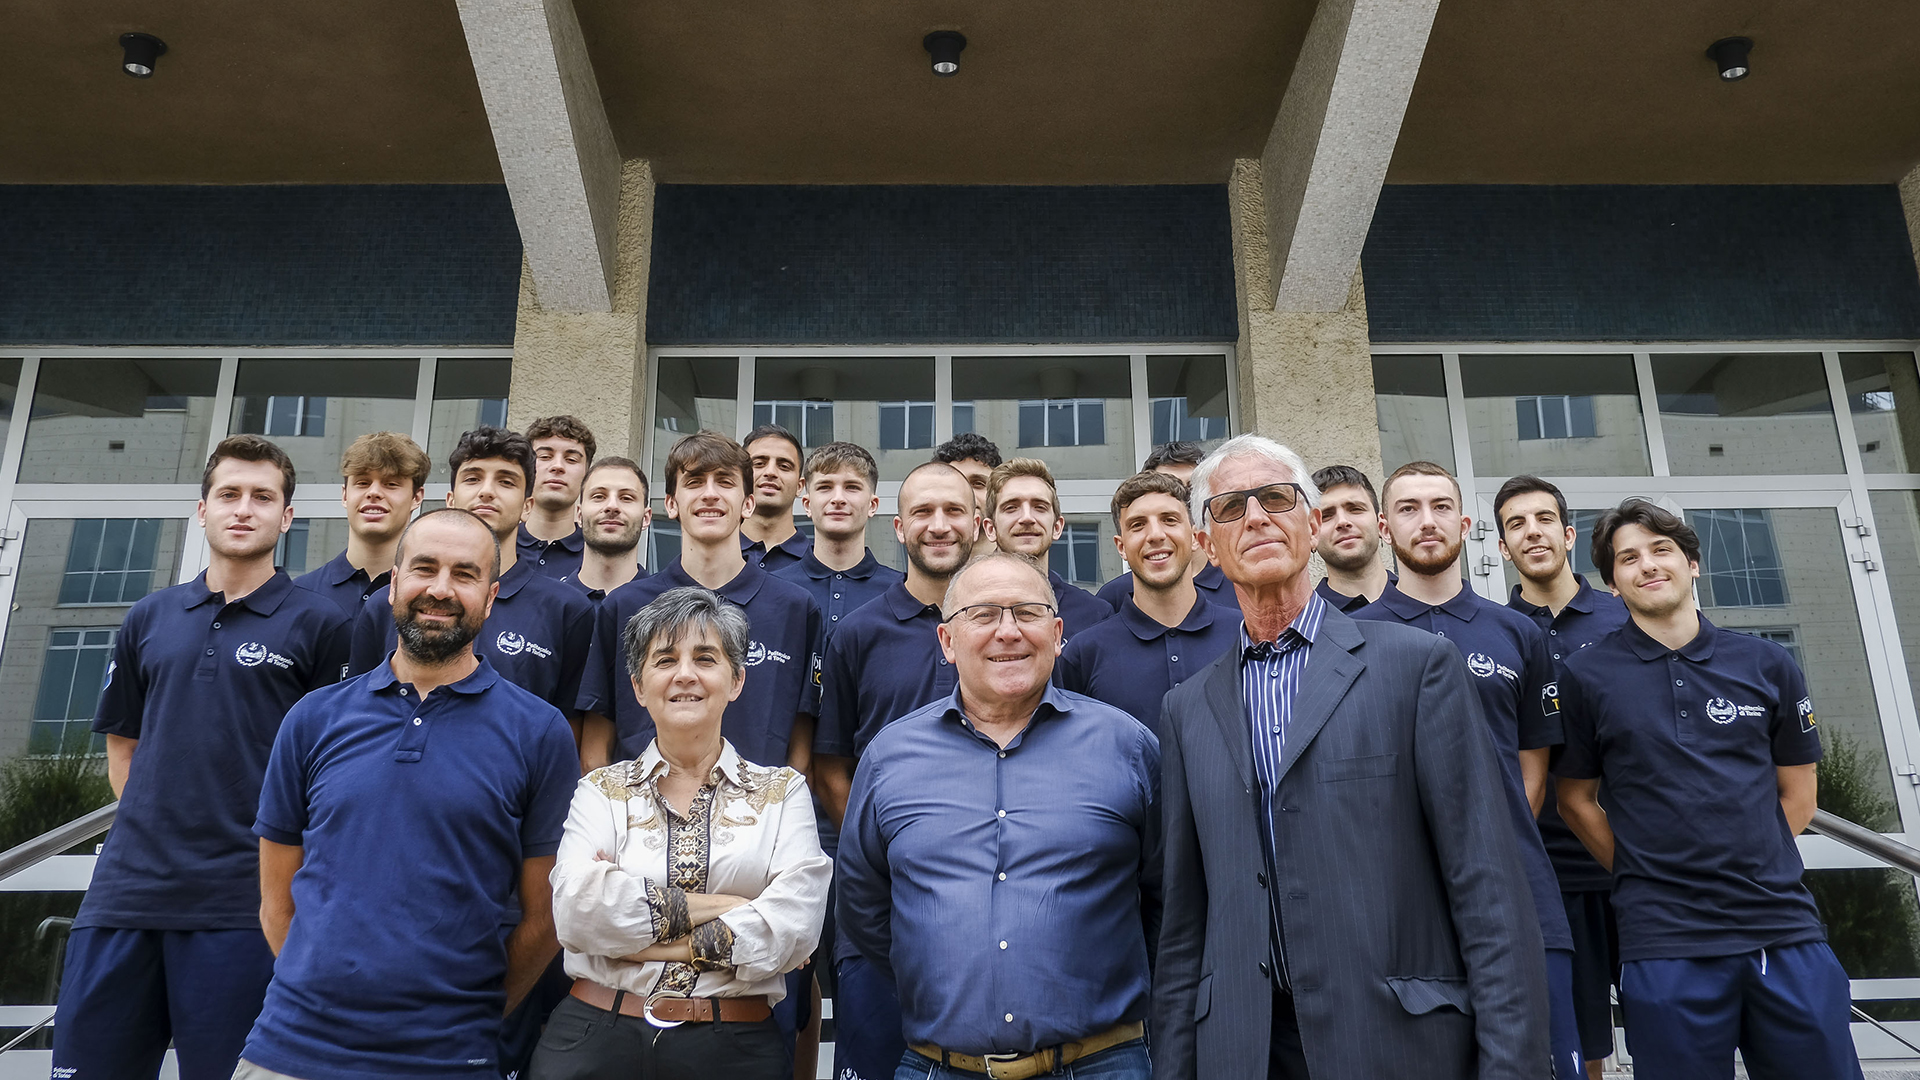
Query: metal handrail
{"x": 1867, "y": 842}
{"x": 60, "y": 838}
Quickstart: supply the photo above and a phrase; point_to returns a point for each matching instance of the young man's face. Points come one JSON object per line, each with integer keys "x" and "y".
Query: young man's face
{"x": 1424, "y": 521}
{"x": 1651, "y": 573}
{"x": 379, "y": 506}
{"x": 559, "y": 467}
{"x": 1156, "y": 540}
{"x": 1532, "y": 536}
{"x": 494, "y": 489}
{"x": 246, "y": 509}
{"x": 709, "y": 505}
{"x": 1025, "y": 520}
{"x": 613, "y": 510}
{"x": 776, "y": 475}
{"x": 1349, "y": 536}
{"x": 840, "y": 503}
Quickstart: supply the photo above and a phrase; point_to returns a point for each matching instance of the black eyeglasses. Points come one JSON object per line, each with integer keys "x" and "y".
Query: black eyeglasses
{"x": 986, "y": 615}
{"x": 1274, "y": 499}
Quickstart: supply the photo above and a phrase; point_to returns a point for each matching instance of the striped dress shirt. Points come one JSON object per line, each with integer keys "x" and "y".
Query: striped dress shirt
{"x": 1269, "y": 682}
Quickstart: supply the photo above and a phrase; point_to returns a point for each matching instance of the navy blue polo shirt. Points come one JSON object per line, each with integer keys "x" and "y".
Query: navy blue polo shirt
{"x": 415, "y": 817}
{"x": 782, "y": 655}
{"x": 840, "y": 592}
{"x": 786, "y": 553}
{"x": 1340, "y": 601}
{"x": 595, "y": 595}
{"x": 882, "y": 663}
{"x": 343, "y": 583}
{"x": 551, "y": 558}
{"x": 1080, "y": 610}
{"x": 538, "y": 635}
{"x": 203, "y": 684}
{"x": 1514, "y": 678}
{"x": 1588, "y": 617}
{"x": 1131, "y": 660}
{"x": 1214, "y": 588}
{"x": 1685, "y": 743}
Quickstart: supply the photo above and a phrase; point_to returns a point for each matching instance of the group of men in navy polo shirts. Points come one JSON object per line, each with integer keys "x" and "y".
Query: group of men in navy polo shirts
{"x": 1704, "y": 766}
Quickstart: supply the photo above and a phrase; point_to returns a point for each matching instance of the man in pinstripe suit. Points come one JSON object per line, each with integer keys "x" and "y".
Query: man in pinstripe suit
{"x": 1345, "y": 898}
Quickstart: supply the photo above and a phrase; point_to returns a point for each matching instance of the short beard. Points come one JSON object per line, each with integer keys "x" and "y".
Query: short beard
{"x": 628, "y": 540}
{"x": 962, "y": 550}
{"x": 433, "y": 647}
{"x": 1411, "y": 561}
{"x": 1346, "y": 564}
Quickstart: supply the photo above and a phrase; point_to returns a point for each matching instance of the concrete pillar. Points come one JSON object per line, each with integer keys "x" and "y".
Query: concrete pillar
{"x": 1306, "y": 377}
{"x": 592, "y": 364}
{"x": 1910, "y": 202}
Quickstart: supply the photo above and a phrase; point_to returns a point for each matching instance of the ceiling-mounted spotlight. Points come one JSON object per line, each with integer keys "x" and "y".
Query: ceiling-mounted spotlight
{"x": 142, "y": 52}
{"x": 1730, "y": 56}
{"x": 944, "y": 46}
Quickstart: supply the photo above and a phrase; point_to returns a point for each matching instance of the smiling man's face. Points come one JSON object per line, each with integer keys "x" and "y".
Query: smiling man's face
{"x": 1533, "y": 537}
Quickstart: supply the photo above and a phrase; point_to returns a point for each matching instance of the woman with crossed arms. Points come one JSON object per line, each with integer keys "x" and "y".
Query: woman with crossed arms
{"x": 688, "y": 882}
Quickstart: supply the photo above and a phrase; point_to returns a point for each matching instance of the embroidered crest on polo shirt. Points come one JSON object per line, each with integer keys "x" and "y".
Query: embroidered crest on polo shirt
{"x": 1486, "y": 666}
{"x": 253, "y": 654}
{"x": 1805, "y": 706}
{"x": 513, "y": 644}
{"x": 758, "y": 653}
{"x": 1722, "y": 711}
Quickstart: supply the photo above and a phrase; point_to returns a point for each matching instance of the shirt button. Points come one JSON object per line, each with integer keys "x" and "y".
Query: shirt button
{"x": 543, "y": 562}
{"x": 1679, "y": 682}
{"x": 216, "y": 626}
{"x": 1175, "y": 659}
{"x": 416, "y": 721}
{"x": 1683, "y": 712}
{"x": 1264, "y": 970}
{"x": 403, "y": 691}
{"x": 836, "y": 618}
{"x": 209, "y": 652}
{"x": 837, "y": 577}
{"x": 1556, "y": 656}
{"x": 1000, "y": 813}
{"x": 1003, "y": 875}
{"x": 1009, "y": 1018}
{"x": 836, "y": 596}
{"x": 943, "y": 661}
{"x": 1003, "y": 945}
{"x": 1555, "y": 633}
{"x": 1003, "y": 753}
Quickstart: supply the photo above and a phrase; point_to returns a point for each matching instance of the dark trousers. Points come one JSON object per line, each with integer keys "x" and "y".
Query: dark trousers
{"x": 1596, "y": 964}
{"x": 1563, "y": 1024}
{"x": 125, "y": 994}
{"x": 1285, "y": 1058}
{"x": 1785, "y": 1009}
{"x": 585, "y": 1043}
{"x": 867, "y": 1043}
{"x": 520, "y": 1031}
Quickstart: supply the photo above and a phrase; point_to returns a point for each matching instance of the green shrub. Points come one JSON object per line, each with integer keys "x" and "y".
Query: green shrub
{"x": 38, "y": 794}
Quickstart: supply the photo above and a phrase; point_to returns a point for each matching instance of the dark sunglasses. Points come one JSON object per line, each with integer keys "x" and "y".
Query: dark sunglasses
{"x": 1274, "y": 499}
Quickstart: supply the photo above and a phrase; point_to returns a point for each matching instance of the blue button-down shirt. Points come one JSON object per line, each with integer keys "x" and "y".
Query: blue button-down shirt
{"x": 343, "y": 583}
{"x": 1213, "y": 585}
{"x": 552, "y": 558}
{"x": 1131, "y": 660}
{"x": 840, "y": 592}
{"x": 1012, "y": 893}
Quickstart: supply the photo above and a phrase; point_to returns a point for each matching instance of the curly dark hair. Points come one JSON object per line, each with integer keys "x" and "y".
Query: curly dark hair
{"x": 486, "y": 443}
{"x": 969, "y": 446}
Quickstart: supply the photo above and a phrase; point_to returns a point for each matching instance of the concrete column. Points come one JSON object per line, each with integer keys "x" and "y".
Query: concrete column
{"x": 592, "y": 364}
{"x": 1910, "y": 202}
{"x": 1306, "y": 377}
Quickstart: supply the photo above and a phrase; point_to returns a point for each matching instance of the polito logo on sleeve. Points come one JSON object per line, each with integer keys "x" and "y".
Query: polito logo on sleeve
{"x": 758, "y": 654}
{"x": 1486, "y": 666}
{"x": 1805, "y": 707}
{"x": 253, "y": 654}
{"x": 1722, "y": 711}
{"x": 512, "y": 644}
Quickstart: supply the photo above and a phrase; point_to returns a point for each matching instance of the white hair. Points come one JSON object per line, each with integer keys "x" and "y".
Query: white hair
{"x": 1247, "y": 446}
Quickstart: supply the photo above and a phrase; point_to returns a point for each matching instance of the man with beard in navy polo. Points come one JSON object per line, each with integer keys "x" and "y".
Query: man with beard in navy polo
{"x": 408, "y": 815}
{"x": 1178, "y": 460}
{"x": 167, "y": 946}
{"x": 1166, "y": 630}
{"x": 840, "y": 492}
{"x": 1349, "y": 539}
{"x": 540, "y": 629}
{"x": 1513, "y": 677}
{"x": 1536, "y": 534}
{"x": 614, "y": 516}
{"x": 1022, "y": 514}
{"x": 1705, "y": 742}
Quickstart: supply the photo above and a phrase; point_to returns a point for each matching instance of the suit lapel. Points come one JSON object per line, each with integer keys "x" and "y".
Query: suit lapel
{"x": 1331, "y": 669}
{"x": 1229, "y": 711}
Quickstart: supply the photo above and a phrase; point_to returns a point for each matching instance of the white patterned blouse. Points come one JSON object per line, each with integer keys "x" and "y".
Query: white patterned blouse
{"x": 749, "y": 832}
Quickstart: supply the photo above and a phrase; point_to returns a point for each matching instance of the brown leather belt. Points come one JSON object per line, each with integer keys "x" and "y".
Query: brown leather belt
{"x": 667, "y": 1011}
{"x": 1022, "y": 1066}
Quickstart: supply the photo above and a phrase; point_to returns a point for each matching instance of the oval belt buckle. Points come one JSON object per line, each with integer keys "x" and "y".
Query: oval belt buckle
{"x": 647, "y": 1010}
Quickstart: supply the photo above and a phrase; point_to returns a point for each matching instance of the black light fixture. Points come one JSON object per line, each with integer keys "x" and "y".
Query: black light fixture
{"x": 944, "y": 46}
{"x": 1730, "y": 56}
{"x": 142, "y": 52}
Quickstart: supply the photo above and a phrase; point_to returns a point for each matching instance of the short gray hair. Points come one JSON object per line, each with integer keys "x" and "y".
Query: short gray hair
{"x": 997, "y": 558}
{"x": 1246, "y": 446}
{"x": 676, "y": 611}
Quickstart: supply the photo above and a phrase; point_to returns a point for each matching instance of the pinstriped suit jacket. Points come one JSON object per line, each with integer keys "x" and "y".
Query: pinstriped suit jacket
{"x": 1410, "y": 936}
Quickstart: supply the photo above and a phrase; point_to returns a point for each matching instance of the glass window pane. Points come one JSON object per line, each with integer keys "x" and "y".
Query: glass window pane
{"x": 1872, "y": 921}
{"x": 920, "y": 426}
{"x": 120, "y": 421}
{"x": 1037, "y": 402}
{"x": 1896, "y": 521}
{"x": 108, "y": 560}
{"x": 962, "y": 417}
{"x": 694, "y": 393}
{"x": 9, "y": 392}
{"x": 843, "y": 397}
{"x": 466, "y": 394}
{"x": 1410, "y": 401}
{"x": 292, "y": 401}
{"x": 1883, "y": 393}
{"x": 1194, "y": 389}
{"x": 1783, "y": 575}
{"x": 1753, "y": 414}
{"x": 893, "y": 426}
{"x": 1572, "y": 415}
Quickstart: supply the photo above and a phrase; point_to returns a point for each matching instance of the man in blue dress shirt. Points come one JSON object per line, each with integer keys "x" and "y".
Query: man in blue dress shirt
{"x": 1536, "y": 534}
{"x": 539, "y": 629}
{"x": 768, "y": 535}
{"x": 407, "y": 816}
{"x": 1022, "y": 515}
{"x": 614, "y": 516}
{"x": 1001, "y": 857}
{"x": 881, "y": 664}
{"x": 1513, "y": 676}
{"x": 1349, "y": 539}
{"x": 1706, "y": 743}
{"x": 383, "y": 477}
{"x": 550, "y": 538}
{"x": 1166, "y": 630}
{"x": 1178, "y": 460}
{"x": 840, "y": 492}
{"x": 167, "y": 946}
